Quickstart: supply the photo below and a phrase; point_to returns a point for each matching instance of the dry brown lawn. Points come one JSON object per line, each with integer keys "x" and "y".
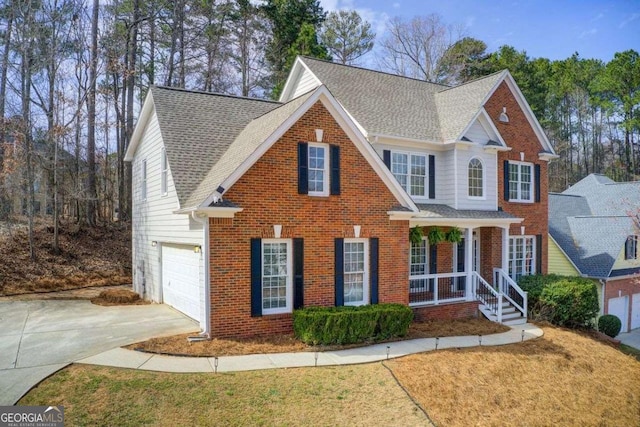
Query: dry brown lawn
{"x": 118, "y": 297}
{"x": 287, "y": 343}
{"x": 562, "y": 379}
{"x": 364, "y": 395}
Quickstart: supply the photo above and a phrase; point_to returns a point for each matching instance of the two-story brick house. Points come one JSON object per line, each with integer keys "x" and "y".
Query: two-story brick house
{"x": 245, "y": 210}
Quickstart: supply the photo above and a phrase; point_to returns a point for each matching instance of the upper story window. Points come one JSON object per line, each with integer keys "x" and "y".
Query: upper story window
{"x": 476, "y": 178}
{"x": 631, "y": 248}
{"x": 143, "y": 186}
{"x": 520, "y": 182}
{"x": 164, "y": 172}
{"x": 410, "y": 169}
{"x": 318, "y": 170}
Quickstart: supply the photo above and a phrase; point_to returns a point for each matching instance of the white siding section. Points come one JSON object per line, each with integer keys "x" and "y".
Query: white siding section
{"x": 153, "y": 219}
{"x": 490, "y": 170}
{"x": 444, "y": 171}
{"x": 476, "y": 133}
{"x": 305, "y": 83}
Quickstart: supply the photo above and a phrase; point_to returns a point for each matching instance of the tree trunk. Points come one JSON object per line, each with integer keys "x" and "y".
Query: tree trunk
{"x": 91, "y": 116}
{"x": 5, "y": 205}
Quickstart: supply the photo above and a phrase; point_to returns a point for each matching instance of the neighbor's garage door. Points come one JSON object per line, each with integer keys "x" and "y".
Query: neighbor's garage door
{"x": 620, "y": 307}
{"x": 181, "y": 279}
{"x": 635, "y": 312}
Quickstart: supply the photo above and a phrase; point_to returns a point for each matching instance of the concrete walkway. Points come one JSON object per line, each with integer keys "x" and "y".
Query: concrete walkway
{"x": 37, "y": 338}
{"x": 122, "y": 358}
{"x": 632, "y": 339}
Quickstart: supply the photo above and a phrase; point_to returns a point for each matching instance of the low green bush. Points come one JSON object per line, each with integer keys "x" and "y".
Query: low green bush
{"x": 573, "y": 303}
{"x": 534, "y": 285}
{"x": 348, "y": 325}
{"x": 609, "y": 325}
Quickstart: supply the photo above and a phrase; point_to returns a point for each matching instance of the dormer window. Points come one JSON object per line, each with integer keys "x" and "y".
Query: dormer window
{"x": 631, "y": 248}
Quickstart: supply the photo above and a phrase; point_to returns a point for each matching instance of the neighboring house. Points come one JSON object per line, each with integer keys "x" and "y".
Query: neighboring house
{"x": 593, "y": 229}
{"x": 244, "y": 209}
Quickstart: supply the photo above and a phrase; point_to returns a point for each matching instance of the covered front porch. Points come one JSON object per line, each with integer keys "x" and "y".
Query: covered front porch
{"x": 463, "y": 256}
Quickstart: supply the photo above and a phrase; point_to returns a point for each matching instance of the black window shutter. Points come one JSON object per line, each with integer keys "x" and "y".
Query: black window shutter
{"x": 298, "y": 273}
{"x": 303, "y": 168}
{"x": 386, "y": 156}
{"x": 256, "y": 277}
{"x": 373, "y": 268}
{"x": 433, "y": 259}
{"x": 432, "y": 176}
{"x": 506, "y": 180}
{"x": 538, "y": 253}
{"x": 537, "y": 182}
{"x": 335, "y": 170}
{"x": 339, "y": 271}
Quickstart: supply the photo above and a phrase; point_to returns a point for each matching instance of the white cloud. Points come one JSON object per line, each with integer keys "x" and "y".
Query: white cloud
{"x": 629, "y": 19}
{"x": 587, "y": 33}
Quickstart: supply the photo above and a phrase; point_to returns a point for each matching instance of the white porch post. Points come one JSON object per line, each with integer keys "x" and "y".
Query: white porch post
{"x": 505, "y": 249}
{"x": 468, "y": 261}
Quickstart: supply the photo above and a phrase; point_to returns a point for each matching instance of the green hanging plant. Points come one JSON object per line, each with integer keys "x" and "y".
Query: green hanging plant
{"x": 436, "y": 235}
{"x": 454, "y": 235}
{"x": 415, "y": 235}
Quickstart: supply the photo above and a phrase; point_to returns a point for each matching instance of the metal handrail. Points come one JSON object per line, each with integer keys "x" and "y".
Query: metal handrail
{"x": 512, "y": 292}
{"x": 486, "y": 294}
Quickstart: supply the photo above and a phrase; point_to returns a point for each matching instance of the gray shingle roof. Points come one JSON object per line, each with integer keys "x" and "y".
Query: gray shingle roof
{"x": 444, "y": 211}
{"x": 197, "y": 128}
{"x": 590, "y": 221}
{"x": 387, "y": 104}
{"x": 245, "y": 143}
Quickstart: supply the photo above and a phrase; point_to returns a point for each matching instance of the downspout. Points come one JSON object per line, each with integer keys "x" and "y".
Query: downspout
{"x": 206, "y": 330}
{"x": 604, "y": 284}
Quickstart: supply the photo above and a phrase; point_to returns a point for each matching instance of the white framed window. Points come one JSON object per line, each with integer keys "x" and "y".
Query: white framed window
{"x": 143, "y": 180}
{"x": 410, "y": 169}
{"x": 522, "y": 256}
{"x": 356, "y": 271}
{"x": 164, "y": 172}
{"x": 476, "y": 178}
{"x": 318, "y": 169}
{"x": 418, "y": 266}
{"x": 520, "y": 182}
{"x": 277, "y": 284}
{"x": 631, "y": 248}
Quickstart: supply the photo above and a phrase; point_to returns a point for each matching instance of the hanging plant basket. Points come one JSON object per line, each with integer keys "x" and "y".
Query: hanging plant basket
{"x": 416, "y": 235}
{"x": 436, "y": 235}
{"x": 454, "y": 235}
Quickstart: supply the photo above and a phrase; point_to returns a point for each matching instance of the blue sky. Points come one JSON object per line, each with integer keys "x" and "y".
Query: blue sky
{"x": 543, "y": 28}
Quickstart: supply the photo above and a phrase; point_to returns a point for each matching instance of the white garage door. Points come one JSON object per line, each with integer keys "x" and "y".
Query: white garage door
{"x": 181, "y": 279}
{"x": 620, "y": 307}
{"x": 635, "y": 312}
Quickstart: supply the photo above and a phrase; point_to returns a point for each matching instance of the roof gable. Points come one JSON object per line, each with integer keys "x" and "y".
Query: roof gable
{"x": 196, "y": 128}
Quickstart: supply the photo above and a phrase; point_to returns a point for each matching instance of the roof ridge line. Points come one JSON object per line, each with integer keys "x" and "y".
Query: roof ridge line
{"x": 474, "y": 80}
{"x": 444, "y": 86}
{"x": 225, "y": 95}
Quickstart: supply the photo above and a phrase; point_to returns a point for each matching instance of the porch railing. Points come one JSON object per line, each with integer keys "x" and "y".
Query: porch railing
{"x": 512, "y": 292}
{"x": 487, "y": 295}
{"x": 437, "y": 288}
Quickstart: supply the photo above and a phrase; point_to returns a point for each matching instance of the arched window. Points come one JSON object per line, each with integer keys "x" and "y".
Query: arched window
{"x": 475, "y": 178}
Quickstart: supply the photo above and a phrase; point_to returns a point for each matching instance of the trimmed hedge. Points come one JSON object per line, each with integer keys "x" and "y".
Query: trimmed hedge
{"x": 562, "y": 300}
{"x": 574, "y": 303}
{"x": 609, "y": 325}
{"x": 348, "y": 325}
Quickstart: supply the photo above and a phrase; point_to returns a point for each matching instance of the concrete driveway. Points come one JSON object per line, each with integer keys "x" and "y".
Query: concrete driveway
{"x": 632, "y": 339}
{"x": 37, "y": 338}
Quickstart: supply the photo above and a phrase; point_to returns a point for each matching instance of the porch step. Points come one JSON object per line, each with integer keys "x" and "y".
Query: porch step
{"x": 510, "y": 315}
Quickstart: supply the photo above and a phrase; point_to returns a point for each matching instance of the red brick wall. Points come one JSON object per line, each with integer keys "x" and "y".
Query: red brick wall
{"x": 519, "y": 135}
{"x": 460, "y": 310}
{"x": 620, "y": 288}
{"x": 490, "y": 251}
{"x": 268, "y": 193}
